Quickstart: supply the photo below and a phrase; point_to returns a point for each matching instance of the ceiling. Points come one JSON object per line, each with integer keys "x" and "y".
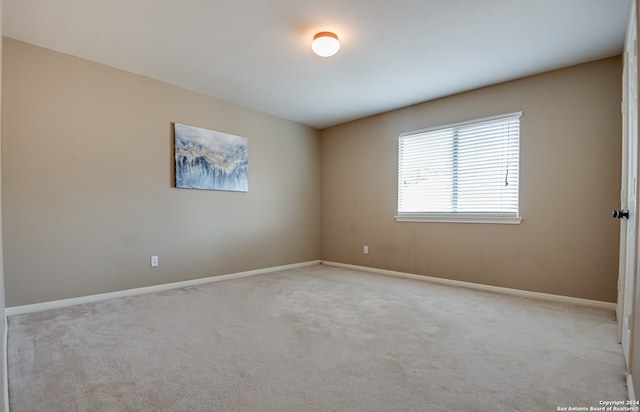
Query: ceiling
{"x": 257, "y": 53}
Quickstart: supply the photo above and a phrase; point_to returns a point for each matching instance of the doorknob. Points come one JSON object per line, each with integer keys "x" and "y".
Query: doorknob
{"x": 621, "y": 213}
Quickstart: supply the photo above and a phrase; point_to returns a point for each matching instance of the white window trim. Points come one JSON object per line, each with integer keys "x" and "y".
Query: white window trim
{"x": 504, "y": 220}
{"x": 460, "y": 218}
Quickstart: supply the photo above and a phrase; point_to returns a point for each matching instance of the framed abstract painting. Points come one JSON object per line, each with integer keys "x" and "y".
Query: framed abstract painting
{"x": 210, "y": 160}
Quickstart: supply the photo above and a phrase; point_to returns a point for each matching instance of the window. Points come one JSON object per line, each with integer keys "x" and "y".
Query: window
{"x": 465, "y": 172}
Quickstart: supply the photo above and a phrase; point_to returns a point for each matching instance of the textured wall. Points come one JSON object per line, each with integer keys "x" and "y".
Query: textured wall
{"x": 87, "y": 183}
{"x": 2, "y": 296}
{"x": 567, "y": 243}
{"x": 87, "y": 176}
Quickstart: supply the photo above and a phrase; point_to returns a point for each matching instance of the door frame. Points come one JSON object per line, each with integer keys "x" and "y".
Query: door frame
{"x": 628, "y": 265}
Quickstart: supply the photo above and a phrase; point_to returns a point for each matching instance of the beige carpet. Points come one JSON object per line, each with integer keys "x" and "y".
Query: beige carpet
{"x": 315, "y": 339}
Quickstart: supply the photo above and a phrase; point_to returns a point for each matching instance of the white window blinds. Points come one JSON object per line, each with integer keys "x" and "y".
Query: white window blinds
{"x": 465, "y": 169}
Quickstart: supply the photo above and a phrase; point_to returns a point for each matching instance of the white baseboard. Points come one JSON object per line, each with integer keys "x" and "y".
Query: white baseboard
{"x": 630, "y": 391}
{"x": 487, "y": 288}
{"x": 38, "y": 307}
{"x": 5, "y": 370}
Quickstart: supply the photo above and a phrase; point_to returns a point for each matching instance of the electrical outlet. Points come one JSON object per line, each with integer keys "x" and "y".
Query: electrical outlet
{"x": 154, "y": 261}
{"x": 366, "y": 250}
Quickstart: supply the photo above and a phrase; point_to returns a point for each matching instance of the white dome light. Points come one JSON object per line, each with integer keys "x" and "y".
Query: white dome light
{"x": 325, "y": 44}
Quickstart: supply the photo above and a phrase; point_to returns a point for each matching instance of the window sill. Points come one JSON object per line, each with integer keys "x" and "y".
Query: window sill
{"x": 500, "y": 220}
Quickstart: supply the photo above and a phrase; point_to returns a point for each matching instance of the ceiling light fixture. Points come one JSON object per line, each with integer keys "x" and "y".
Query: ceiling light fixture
{"x": 325, "y": 44}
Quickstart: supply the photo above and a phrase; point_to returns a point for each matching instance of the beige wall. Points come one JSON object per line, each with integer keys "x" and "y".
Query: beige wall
{"x": 567, "y": 243}
{"x": 87, "y": 176}
{"x": 87, "y": 181}
{"x": 5, "y": 400}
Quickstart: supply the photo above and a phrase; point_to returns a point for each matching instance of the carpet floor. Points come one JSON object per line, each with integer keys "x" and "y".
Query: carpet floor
{"x": 318, "y": 338}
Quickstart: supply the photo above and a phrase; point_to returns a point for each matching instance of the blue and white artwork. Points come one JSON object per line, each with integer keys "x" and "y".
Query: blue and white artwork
{"x": 206, "y": 159}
